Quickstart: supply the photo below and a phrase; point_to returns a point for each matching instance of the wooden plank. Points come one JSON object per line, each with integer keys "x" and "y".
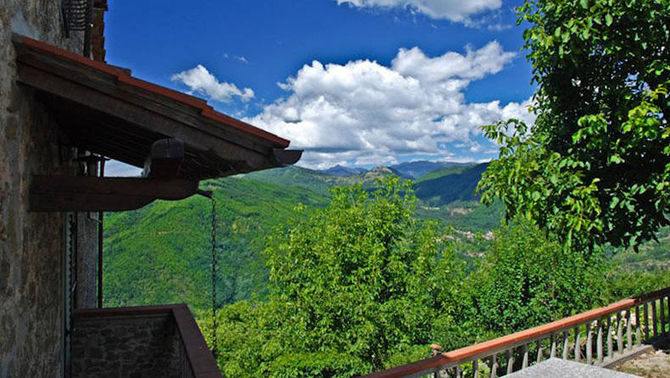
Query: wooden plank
{"x": 610, "y": 344}
{"x": 578, "y": 348}
{"x": 118, "y": 83}
{"x": 151, "y": 121}
{"x": 646, "y": 321}
{"x": 654, "y": 317}
{"x": 599, "y": 341}
{"x": 89, "y": 193}
{"x": 510, "y": 361}
{"x": 629, "y": 329}
{"x": 589, "y": 343}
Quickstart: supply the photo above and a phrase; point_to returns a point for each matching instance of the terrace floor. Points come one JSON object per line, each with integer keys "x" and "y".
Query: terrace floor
{"x": 654, "y": 364}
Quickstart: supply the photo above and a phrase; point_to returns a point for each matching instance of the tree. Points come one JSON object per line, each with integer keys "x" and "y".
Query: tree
{"x": 595, "y": 166}
{"x": 362, "y": 277}
{"x": 526, "y": 279}
{"x": 355, "y": 287}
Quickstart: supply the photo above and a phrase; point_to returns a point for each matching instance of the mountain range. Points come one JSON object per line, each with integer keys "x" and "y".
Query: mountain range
{"x": 161, "y": 253}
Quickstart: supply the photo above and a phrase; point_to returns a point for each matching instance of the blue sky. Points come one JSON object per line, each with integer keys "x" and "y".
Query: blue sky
{"x": 355, "y": 82}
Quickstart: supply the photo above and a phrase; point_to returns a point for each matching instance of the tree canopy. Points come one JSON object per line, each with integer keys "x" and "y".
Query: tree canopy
{"x": 594, "y": 168}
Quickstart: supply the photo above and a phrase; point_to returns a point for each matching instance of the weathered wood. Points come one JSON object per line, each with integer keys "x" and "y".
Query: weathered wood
{"x": 654, "y": 317}
{"x": 646, "y": 320}
{"x": 629, "y": 330}
{"x": 539, "y": 351}
{"x": 599, "y": 341}
{"x": 589, "y": 343}
{"x": 610, "y": 344}
{"x": 475, "y": 368}
{"x": 165, "y": 159}
{"x": 524, "y": 362}
{"x": 577, "y": 345}
{"x": 638, "y": 326}
{"x": 619, "y": 332}
{"x": 510, "y": 361}
{"x": 552, "y": 341}
{"x": 662, "y": 313}
{"x": 494, "y": 366}
{"x": 566, "y": 345}
{"x": 116, "y": 83}
{"x": 146, "y": 121}
{"x": 90, "y": 193}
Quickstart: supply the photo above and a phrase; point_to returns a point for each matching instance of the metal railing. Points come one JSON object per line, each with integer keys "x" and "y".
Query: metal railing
{"x": 601, "y": 337}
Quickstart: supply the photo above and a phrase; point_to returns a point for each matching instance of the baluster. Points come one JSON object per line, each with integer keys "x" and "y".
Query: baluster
{"x": 566, "y": 345}
{"x": 646, "y": 321}
{"x": 552, "y": 352}
{"x": 494, "y": 365}
{"x": 524, "y": 362}
{"x": 629, "y": 330}
{"x": 459, "y": 372}
{"x": 638, "y": 328}
{"x": 589, "y": 342}
{"x": 539, "y": 351}
{"x": 662, "y": 305}
{"x": 510, "y": 361}
{"x": 577, "y": 345}
{"x": 619, "y": 332}
{"x": 610, "y": 345}
{"x": 654, "y": 318}
{"x": 475, "y": 368}
{"x": 599, "y": 341}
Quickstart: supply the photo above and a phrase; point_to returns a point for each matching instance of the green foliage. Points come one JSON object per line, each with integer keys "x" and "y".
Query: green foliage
{"x": 595, "y": 166}
{"x": 527, "y": 279}
{"x": 161, "y": 253}
{"x": 354, "y": 286}
{"x": 362, "y": 277}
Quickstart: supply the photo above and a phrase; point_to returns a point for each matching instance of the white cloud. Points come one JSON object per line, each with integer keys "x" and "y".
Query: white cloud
{"x": 453, "y": 10}
{"x": 200, "y": 80}
{"x": 365, "y": 113}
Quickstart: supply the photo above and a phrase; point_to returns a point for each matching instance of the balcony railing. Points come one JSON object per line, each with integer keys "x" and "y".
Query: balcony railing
{"x": 601, "y": 337}
{"x": 157, "y": 341}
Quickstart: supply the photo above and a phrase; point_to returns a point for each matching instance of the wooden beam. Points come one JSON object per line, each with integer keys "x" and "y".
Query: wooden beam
{"x": 89, "y": 193}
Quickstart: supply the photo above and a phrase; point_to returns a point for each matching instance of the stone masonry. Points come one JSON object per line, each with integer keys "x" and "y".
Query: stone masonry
{"x": 31, "y": 244}
{"x": 128, "y": 346}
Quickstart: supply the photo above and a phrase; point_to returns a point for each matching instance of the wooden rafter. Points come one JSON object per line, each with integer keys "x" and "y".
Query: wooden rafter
{"x": 89, "y": 193}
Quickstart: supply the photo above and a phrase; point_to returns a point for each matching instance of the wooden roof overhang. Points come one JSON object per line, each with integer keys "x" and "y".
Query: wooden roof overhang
{"x": 102, "y": 109}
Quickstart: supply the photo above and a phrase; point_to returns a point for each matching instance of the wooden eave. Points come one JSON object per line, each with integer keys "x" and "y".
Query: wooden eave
{"x": 101, "y": 108}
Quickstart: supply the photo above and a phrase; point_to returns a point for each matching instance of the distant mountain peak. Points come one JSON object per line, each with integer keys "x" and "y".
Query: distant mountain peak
{"x": 340, "y": 170}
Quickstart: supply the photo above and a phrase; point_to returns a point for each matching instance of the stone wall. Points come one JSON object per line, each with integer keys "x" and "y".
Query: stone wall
{"x": 128, "y": 346}
{"x": 31, "y": 244}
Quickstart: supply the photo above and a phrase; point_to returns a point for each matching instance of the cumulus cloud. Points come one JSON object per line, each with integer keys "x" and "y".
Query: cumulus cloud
{"x": 200, "y": 80}
{"x": 453, "y": 10}
{"x": 366, "y": 113}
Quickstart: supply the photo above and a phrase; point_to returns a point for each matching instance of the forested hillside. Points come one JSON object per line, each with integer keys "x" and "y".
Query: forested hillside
{"x": 161, "y": 253}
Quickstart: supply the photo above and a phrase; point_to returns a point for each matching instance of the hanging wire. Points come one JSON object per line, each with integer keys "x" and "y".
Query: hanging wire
{"x": 215, "y": 344}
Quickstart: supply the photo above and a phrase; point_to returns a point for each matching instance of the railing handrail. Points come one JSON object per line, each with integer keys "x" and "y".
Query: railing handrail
{"x": 200, "y": 358}
{"x": 493, "y": 346}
